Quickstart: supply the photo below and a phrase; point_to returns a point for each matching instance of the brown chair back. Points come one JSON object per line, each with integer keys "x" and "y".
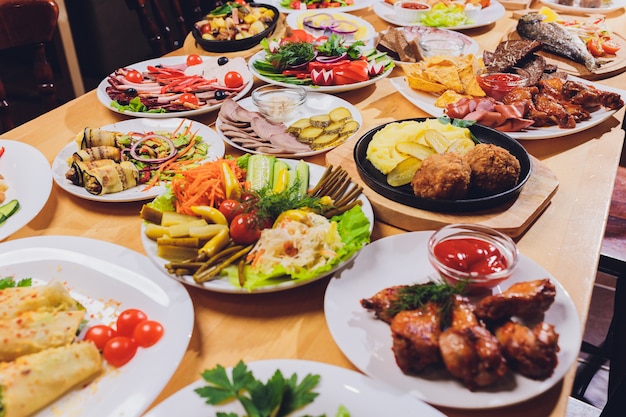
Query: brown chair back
{"x": 29, "y": 24}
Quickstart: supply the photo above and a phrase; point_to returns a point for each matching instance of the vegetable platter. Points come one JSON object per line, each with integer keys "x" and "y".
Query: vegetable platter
{"x": 291, "y": 6}
{"x": 153, "y": 147}
{"x": 256, "y": 224}
{"x": 178, "y": 86}
{"x": 323, "y": 64}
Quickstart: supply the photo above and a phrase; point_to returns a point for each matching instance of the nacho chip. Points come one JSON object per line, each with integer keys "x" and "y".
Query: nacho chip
{"x": 449, "y": 96}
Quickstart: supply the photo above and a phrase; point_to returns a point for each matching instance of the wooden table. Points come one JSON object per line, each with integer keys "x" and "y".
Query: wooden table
{"x": 565, "y": 239}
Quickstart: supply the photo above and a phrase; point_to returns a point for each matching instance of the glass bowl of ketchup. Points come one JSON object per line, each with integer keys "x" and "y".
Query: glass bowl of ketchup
{"x": 480, "y": 256}
{"x": 498, "y": 84}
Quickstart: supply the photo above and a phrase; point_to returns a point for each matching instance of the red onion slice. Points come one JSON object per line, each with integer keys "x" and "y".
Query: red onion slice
{"x": 173, "y": 150}
{"x": 330, "y": 59}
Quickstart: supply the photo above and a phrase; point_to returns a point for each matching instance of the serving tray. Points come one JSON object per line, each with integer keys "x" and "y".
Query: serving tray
{"x": 512, "y": 218}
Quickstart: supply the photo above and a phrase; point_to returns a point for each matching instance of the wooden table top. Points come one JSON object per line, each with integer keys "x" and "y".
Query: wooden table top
{"x": 565, "y": 239}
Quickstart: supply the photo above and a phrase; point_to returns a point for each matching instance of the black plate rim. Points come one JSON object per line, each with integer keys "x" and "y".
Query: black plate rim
{"x": 237, "y": 45}
{"x": 372, "y": 177}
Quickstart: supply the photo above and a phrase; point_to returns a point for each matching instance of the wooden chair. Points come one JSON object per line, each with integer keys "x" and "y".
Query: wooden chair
{"x": 29, "y": 24}
{"x": 166, "y": 28}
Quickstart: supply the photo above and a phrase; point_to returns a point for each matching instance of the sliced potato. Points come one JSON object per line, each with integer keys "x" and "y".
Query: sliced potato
{"x": 461, "y": 146}
{"x": 403, "y": 173}
{"x": 415, "y": 149}
{"x": 436, "y": 140}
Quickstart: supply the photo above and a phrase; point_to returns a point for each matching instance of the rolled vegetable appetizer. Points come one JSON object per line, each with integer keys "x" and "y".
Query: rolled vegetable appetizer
{"x": 111, "y": 178}
{"x": 50, "y": 297}
{"x": 98, "y": 152}
{"x": 91, "y": 137}
{"x": 77, "y": 169}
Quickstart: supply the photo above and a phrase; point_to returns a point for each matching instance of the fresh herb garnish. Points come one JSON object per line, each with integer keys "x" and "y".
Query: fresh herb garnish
{"x": 278, "y": 397}
{"x": 292, "y": 54}
{"x": 10, "y": 282}
{"x": 413, "y": 297}
{"x": 270, "y": 204}
{"x": 335, "y": 46}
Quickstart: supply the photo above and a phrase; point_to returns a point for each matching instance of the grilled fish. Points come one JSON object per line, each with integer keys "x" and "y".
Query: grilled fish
{"x": 556, "y": 39}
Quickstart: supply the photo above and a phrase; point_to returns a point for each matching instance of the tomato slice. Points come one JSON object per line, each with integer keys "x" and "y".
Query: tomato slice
{"x": 594, "y": 46}
{"x": 610, "y": 46}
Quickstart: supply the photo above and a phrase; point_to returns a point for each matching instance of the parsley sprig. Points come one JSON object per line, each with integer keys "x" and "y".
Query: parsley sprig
{"x": 10, "y": 282}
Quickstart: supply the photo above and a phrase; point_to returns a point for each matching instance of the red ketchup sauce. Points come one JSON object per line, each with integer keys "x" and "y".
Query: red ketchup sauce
{"x": 414, "y": 6}
{"x": 470, "y": 255}
{"x": 498, "y": 84}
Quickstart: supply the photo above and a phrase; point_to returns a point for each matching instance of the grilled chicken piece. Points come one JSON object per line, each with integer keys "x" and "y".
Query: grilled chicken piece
{"x": 462, "y": 314}
{"x": 547, "y": 104}
{"x": 415, "y": 335}
{"x": 381, "y": 302}
{"x": 531, "y": 352}
{"x": 523, "y": 299}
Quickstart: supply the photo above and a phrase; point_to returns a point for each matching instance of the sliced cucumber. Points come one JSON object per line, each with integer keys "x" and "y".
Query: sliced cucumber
{"x": 280, "y": 180}
{"x": 302, "y": 176}
{"x": 8, "y": 210}
{"x": 260, "y": 172}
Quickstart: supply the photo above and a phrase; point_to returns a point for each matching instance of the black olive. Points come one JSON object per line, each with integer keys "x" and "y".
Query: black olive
{"x": 222, "y": 60}
{"x": 131, "y": 92}
{"x": 220, "y": 95}
{"x": 123, "y": 101}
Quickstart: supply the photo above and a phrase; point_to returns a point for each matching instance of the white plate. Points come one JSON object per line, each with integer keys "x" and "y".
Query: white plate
{"x": 106, "y": 101}
{"x": 485, "y": 17}
{"x": 608, "y": 6}
{"x": 223, "y": 285}
{"x": 366, "y": 32}
{"x": 321, "y": 89}
{"x": 59, "y": 165}
{"x": 358, "y": 5}
{"x": 366, "y": 341}
{"x": 108, "y": 279}
{"x": 27, "y": 173}
{"x": 426, "y": 102}
{"x": 316, "y": 103}
{"x": 362, "y": 396}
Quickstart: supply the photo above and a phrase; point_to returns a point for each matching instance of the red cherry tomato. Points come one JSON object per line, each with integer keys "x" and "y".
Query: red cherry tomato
{"x": 241, "y": 2}
{"x": 119, "y": 350}
{"x": 233, "y": 79}
{"x": 189, "y": 98}
{"x": 148, "y": 332}
{"x": 245, "y": 228}
{"x": 231, "y": 208}
{"x": 128, "y": 320}
{"x": 100, "y": 334}
{"x": 134, "y": 76}
{"x": 194, "y": 59}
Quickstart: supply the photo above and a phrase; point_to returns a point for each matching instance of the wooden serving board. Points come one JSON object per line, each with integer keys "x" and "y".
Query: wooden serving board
{"x": 512, "y": 218}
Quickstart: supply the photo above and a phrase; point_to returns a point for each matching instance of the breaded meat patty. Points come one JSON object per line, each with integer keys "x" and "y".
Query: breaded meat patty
{"x": 494, "y": 169}
{"x": 443, "y": 176}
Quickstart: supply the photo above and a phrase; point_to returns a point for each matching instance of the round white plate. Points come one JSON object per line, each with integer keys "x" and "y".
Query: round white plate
{"x": 106, "y": 101}
{"x": 107, "y": 279}
{"x": 487, "y": 16}
{"x": 59, "y": 165}
{"x": 426, "y": 102}
{"x": 366, "y": 32}
{"x": 607, "y": 6}
{"x": 27, "y": 173}
{"x": 319, "y": 88}
{"x": 366, "y": 341}
{"x": 360, "y": 395}
{"x": 358, "y": 5}
{"x": 222, "y": 284}
{"x": 316, "y": 103}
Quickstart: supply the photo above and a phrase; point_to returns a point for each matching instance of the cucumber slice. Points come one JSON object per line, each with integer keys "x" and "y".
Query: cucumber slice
{"x": 260, "y": 172}
{"x": 302, "y": 176}
{"x": 8, "y": 210}
{"x": 280, "y": 180}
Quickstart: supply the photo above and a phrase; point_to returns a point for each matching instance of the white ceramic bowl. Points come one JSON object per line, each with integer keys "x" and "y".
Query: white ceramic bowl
{"x": 410, "y": 11}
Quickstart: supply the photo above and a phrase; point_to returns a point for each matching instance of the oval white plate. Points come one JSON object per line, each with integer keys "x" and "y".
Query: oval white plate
{"x": 426, "y": 102}
{"x": 366, "y": 341}
{"x": 318, "y": 88}
{"x": 486, "y": 16}
{"x": 366, "y": 32}
{"x": 358, "y": 5}
{"x": 223, "y": 285}
{"x": 107, "y": 279}
{"x": 59, "y": 165}
{"x": 27, "y": 173}
{"x": 316, "y": 103}
{"x": 607, "y": 7}
{"x": 362, "y": 396}
{"x": 106, "y": 101}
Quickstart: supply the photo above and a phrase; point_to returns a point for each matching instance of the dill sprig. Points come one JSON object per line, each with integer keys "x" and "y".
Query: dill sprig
{"x": 270, "y": 204}
{"x": 415, "y": 296}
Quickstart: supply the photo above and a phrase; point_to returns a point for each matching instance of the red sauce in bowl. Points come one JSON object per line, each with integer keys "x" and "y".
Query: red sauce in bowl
{"x": 414, "y": 6}
{"x": 470, "y": 255}
{"x": 496, "y": 85}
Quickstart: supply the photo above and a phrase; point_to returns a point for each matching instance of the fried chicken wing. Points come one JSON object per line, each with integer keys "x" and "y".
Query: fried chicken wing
{"x": 381, "y": 302}
{"x": 462, "y": 313}
{"x": 415, "y": 336}
{"x": 523, "y": 299}
{"x": 531, "y": 352}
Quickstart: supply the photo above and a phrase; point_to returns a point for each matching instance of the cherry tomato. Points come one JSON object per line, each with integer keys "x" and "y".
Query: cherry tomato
{"x": 119, "y": 350}
{"x": 134, "y": 76}
{"x": 233, "y": 79}
{"x": 194, "y": 59}
{"x": 100, "y": 335}
{"x": 128, "y": 320}
{"x": 231, "y": 208}
{"x": 241, "y": 2}
{"x": 245, "y": 228}
{"x": 610, "y": 46}
{"x": 147, "y": 333}
{"x": 189, "y": 98}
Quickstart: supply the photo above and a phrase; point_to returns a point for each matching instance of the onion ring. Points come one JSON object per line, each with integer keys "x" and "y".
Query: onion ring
{"x": 168, "y": 141}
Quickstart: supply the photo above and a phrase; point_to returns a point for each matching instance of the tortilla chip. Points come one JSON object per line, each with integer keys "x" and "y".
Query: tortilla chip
{"x": 446, "y": 75}
{"x": 421, "y": 84}
{"x": 449, "y": 96}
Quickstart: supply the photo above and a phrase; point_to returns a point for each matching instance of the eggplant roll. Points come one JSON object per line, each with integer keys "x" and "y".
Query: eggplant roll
{"x": 32, "y": 382}
{"x": 91, "y": 137}
{"x": 111, "y": 178}
{"x": 97, "y": 152}
{"x": 77, "y": 169}
{"x": 34, "y": 331}
{"x": 50, "y": 297}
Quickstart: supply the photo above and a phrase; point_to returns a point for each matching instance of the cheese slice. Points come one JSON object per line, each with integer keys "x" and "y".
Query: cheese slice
{"x": 50, "y": 297}
{"x": 31, "y": 382}
{"x": 34, "y": 331}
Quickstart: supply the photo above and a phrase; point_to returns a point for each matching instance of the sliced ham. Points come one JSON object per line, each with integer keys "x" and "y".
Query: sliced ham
{"x": 488, "y": 112}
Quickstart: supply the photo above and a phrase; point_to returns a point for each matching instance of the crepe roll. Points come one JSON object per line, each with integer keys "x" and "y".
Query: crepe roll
{"x": 97, "y": 152}
{"x": 32, "y": 382}
{"x": 50, "y": 297}
{"x": 91, "y": 137}
{"x": 110, "y": 179}
{"x": 77, "y": 169}
{"x": 34, "y": 331}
